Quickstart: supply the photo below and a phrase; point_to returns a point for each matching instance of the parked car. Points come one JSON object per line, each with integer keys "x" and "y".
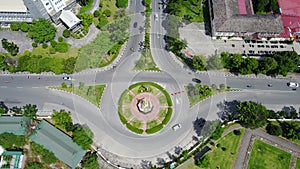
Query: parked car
{"x": 293, "y": 84}
{"x": 67, "y": 78}
{"x": 196, "y": 80}
{"x": 176, "y": 127}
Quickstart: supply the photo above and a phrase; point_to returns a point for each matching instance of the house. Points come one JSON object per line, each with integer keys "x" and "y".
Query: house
{"x": 236, "y": 18}
{"x": 27, "y": 10}
{"x": 58, "y": 142}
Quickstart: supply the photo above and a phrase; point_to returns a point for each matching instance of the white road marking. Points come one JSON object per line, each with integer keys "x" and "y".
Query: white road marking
{"x": 35, "y": 87}
{"x": 3, "y": 86}
{"x": 19, "y": 87}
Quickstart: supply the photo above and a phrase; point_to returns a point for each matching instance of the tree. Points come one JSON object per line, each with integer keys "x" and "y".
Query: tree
{"x": 107, "y": 12}
{"x": 2, "y": 110}
{"x": 204, "y": 162}
{"x": 199, "y": 62}
{"x": 30, "y": 111}
{"x": 90, "y": 161}
{"x": 236, "y": 62}
{"x": 47, "y": 156}
{"x": 15, "y": 26}
{"x": 185, "y": 154}
{"x": 33, "y": 165}
{"x": 248, "y": 66}
{"x": 274, "y": 129}
{"x": 69, "y": 65}
{"x": 287, "y": 62}
{"x": 42, "y": 31}
{"x": 83, "y": 136}
{"x": 96, "y": 13}
{"x": 122, "y": 3}
{"x": 62, "y": 118}
{"x": 66, "y": 33}
{"x": 11, "y": 141}
{"x": 214, "y": 63}
{"x": 218, "y": 131}
{"x": 10, "y": 47}
{"x": 251, "y": 114}
{"x": 24, "y": 27}
{"x": 267, "y": 65}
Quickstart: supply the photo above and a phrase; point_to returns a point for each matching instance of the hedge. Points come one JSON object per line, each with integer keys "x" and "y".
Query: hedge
{"x": 134, "y": 129}
{"x": 168, "y": 116}
{"x": 122, "y": 118}
{"x": 154, "y": 129}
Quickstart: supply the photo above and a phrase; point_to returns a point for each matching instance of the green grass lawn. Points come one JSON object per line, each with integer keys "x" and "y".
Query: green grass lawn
{"x": 152, "y": 124}
{"x": 90, "y": 93}
{"x": 225, "y": 159}
{"x": 162, "y": 99}
{"x": 265, "y": 156}
{"x": 110, "y": 5}
{"x": 146, "y": 62}
{"x": 136, "y": 123}
{"x": 162, "y": 113}
{"x": 72, "y": 52}
{"x": 298, "y": 163}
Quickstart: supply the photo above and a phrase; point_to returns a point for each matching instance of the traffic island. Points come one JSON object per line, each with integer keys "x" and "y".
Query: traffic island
{"x": 145, "y": 108}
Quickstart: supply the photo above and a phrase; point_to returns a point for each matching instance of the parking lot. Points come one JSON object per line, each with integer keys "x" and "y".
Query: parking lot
{"x": 199, "y": 43}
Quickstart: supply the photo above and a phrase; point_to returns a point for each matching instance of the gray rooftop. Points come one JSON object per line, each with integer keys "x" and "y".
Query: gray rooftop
{"x": 227, "y": 18}
{"x": 36, "y": 9}
{"x": 59, "y": 143}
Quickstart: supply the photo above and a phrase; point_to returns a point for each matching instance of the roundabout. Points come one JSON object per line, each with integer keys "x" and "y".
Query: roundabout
{"x": 145, "y": 108}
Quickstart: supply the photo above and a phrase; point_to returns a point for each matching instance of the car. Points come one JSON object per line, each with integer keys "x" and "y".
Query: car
{"x": 269, "y": 85}
{"x": 67, "y": 78}
{"x": 135, "y": 24}
{"x": 196, "y": 80}
{"x": 156, "y": 17}
{"x": 176, "y": 127}
{"x": 293, "y": 84}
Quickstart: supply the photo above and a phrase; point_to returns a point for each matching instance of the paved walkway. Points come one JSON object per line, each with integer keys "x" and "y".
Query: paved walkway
{"x": 248, "y": 140}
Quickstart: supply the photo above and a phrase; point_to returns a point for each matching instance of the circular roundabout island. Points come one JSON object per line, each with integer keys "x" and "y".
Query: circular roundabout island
{"x": 145, "y": 108}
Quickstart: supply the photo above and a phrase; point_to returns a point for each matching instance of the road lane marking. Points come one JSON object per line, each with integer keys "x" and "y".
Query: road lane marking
{"x": 3, "y": 86}
{"x": 19, "y": 87}
{"x": 35, "y": 87}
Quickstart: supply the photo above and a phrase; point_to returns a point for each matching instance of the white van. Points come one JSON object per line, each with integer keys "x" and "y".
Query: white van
{"x": 176, "y": 127}
{"x": 293, "y": 84}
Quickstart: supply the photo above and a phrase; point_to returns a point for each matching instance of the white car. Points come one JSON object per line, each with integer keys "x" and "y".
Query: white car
{"x": 293, "y": 84}
{"x": 67, "y": 78}
{"x": 156, "y": 17}
{"x": 176, "y": 127}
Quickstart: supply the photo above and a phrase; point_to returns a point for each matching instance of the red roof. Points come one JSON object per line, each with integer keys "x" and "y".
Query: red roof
{"x": 290, "y": 10}
{"x": 242, "y": 6}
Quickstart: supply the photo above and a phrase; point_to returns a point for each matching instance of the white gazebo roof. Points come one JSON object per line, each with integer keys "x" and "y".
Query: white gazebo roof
{"x": 69, "y": 18}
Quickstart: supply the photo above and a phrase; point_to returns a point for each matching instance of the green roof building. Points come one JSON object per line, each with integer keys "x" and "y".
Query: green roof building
{"x": 59, "y": 143}
{"x": 16, "y": 124}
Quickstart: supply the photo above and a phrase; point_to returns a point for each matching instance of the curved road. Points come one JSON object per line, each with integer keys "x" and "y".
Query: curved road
{"x": 130, "y": 149}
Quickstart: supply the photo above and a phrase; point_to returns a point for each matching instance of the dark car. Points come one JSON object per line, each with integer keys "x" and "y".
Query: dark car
{"x": 135, "y": 24}
{"x": 196, "y": 80}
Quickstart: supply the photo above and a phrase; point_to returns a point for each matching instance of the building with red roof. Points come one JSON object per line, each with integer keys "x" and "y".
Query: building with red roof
{"x": 236, "y": 18}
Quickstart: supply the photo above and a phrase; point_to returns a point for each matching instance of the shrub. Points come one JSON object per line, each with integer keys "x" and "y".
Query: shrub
{"x": 134, "y": 129}
{"x": 34, "y": 44}
{"x": 224, "y": 148}
{"x": 168, "y": 116}
{"x": 154, "y": 129}
{"x": 60, "y": 39}
{"x": 24, "y": 27}
{"x": 121, "y": 3}
{"x": 97, "y": 13}
{"x": 44, "y": 45}
{"x": 61, "y": 47}
{"x": 237, "y": 132}
{"x": 102, "y": 22}
{"x": 122, "y": 118}
{"x": 64, "y": 85}
{"x": 107, "y": 12}
{"x": 66, "y": 33}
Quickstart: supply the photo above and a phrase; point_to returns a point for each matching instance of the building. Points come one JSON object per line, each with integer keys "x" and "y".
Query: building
{"x": 16, "y": 124}
{"x": 236, "y": 18}
{"x": 59, "y": 143}
{"x": 11, "y": 159}
{"x": 27, "y": 10}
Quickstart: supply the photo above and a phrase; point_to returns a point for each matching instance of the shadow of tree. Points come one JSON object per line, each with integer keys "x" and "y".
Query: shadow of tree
{"x": 228, "y": 110}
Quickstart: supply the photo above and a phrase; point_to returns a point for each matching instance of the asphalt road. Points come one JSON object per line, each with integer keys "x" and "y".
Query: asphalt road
{"x": 110, "y": 134}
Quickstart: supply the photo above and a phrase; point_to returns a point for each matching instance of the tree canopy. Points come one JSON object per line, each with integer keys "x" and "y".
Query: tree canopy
{"x": 10, "y": 47}
{"x": 30, "y": 111}
{"x": 251, "y": 114}
{"x": 11, "y": 141}
{"x": 83, "y": 136}
{"x": 42, "y": 31}
{"x": 199, "y": 62}
{"x": 90, "y": 161}
{"x": 34, "y": 165}
{"x": 47, "y": 156}
{"x": 62, "y": 118}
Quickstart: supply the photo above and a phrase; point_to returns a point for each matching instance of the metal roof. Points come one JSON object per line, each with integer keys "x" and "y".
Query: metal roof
{"x": 12, "y": 6}
{"x": 69, "y": 18}
{"x": 15, "y": 125}
{"x": 59, "y": 143}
